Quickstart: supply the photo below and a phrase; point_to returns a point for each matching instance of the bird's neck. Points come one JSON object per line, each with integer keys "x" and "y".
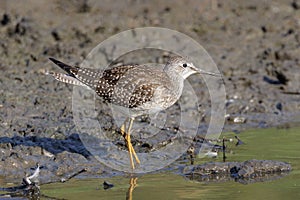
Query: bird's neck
{"x": 176, "y": 80}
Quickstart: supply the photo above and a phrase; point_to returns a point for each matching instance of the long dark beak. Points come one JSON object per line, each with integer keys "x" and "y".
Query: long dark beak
{"x": 200, "y": 71}
{"x": 209, "y": 73}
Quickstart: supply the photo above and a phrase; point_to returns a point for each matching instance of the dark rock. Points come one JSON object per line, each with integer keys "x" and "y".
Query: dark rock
{"x": 5, "y": 19}
{"x": 55, "y": 35}
{"x": 281, "y": 77}
{"x": 295, "y": 5}
{"x": 279, "y": 106}
{"x": 264, "y": 29}
{"x": 107, "y": 185}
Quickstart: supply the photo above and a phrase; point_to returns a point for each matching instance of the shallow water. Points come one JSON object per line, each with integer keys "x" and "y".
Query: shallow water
{"x": 269, "y": 144}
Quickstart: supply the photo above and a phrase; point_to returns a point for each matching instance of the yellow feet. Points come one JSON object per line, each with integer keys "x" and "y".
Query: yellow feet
{"x": 127, "y": 138}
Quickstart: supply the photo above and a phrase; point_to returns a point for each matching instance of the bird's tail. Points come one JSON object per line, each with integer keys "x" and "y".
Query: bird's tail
{"x": 72, "y": 71}
{"x": 65, "y": 78}
{"x": 70, "y": 77}
{"x": 75, "y": 75}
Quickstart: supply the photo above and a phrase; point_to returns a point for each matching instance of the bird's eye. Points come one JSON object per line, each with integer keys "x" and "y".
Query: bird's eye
{"x": 184, "y": 65}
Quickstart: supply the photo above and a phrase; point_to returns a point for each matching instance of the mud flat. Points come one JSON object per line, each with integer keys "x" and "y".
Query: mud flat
{"x": 254, "y": 44}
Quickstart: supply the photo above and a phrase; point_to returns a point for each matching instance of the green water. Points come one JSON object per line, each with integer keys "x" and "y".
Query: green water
{"x": 271, "y": 144}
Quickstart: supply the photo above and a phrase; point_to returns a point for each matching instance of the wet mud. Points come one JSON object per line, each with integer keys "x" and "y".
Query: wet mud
{"x": 254, "y": 44}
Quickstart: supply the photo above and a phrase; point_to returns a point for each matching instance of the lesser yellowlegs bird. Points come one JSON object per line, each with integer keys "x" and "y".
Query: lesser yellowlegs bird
{"x": 140, "y": 89}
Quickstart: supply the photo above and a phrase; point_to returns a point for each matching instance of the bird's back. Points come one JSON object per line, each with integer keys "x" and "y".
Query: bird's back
{"x": 138, "y": 87}
{"x": 128, "y": 86}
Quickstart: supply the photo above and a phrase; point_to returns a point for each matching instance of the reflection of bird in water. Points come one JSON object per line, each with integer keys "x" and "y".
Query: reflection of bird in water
{"x": 136, "y": 89}
{"x": 132, "y": 185}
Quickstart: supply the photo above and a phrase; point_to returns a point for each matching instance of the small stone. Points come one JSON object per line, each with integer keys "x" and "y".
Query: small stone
{"x": 5, "y": 19}
{"x": 211, "y": 154}
{"x": 107, "y": 185}
{"x": 279, "y": 106}
{"x": 239, "y": 120}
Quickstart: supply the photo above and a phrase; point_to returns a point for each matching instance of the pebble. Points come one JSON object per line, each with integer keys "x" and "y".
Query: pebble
{"x": 239, "y": 120}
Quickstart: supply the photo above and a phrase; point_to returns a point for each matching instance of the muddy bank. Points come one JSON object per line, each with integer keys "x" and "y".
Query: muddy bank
{"x": 246, "y": 172}
{"x": 254, "y": 44}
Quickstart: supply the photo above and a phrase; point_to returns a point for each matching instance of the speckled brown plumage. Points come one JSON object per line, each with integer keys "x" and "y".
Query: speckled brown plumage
{"x": 141, "y": 88}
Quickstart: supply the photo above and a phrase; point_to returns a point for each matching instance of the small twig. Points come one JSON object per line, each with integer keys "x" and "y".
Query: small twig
{"x": 224, "y": 148}
{"x": 73, "y": 175}
{"x": 239, "y": 141}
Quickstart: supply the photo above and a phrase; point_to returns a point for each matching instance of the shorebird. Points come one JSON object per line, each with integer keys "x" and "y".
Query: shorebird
{"x": 139, "y": 89}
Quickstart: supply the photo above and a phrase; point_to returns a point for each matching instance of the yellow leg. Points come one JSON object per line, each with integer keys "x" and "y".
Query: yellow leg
{"x": 132, "y": 149}
{"x": 127, "y": 138}
{"x": 129, "y": 145}
{"x": 128, "y": 142}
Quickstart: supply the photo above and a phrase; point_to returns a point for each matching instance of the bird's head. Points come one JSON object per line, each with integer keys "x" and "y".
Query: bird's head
{"x": 184, "y": 68}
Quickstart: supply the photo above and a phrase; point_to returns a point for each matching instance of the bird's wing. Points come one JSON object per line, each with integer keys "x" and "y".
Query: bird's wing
{"x": 128, "y": 85}
{"x": 88, "y": 76}
{"x": 142, "y": 94}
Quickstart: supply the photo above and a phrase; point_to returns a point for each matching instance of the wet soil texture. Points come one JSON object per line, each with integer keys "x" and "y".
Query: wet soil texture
{"x": 255, "y": 44}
